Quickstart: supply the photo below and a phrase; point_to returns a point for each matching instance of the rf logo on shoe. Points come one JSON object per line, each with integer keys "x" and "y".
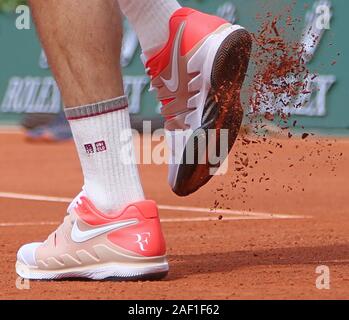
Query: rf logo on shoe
{"x": 143, "y": 240}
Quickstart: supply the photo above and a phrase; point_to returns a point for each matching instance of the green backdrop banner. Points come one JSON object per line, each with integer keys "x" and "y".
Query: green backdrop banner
{"x": 26, "y": 84}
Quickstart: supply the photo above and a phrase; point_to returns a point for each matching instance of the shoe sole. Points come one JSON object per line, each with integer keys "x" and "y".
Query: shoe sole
{"x": 223, "y": 110}
{"x": 116, "y": 272}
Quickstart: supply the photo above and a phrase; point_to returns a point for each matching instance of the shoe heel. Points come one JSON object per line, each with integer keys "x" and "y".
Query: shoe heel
{"x": 146, "y": 237}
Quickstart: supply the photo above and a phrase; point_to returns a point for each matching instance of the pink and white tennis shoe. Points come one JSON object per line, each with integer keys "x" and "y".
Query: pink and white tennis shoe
{"x": 198, "y": 76}
{"x": 126, "y": 246}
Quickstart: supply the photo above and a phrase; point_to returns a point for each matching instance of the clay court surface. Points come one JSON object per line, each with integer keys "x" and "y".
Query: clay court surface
{"x": 282, "y": 211}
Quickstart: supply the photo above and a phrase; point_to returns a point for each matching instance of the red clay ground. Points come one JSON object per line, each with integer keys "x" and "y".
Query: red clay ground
{"x": 250, "y": 257}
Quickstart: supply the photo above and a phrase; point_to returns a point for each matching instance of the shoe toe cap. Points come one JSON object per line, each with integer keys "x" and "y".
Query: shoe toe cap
{"x": 26, "y": 254}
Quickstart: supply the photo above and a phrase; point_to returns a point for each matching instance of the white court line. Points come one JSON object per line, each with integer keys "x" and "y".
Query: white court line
{"x": 11, "y": 129}
{"x": 336, "y": 261}
{"x": 20, "y": 196}
{"x": 261, "y": 215}
{"x": 28, "y": 224}
{"x": 165, "y": 220}
{"x": 231, "y": 212}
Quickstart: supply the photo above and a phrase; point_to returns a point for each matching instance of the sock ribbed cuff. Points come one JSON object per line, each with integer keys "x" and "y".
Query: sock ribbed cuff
{"x": 96, "y": 109}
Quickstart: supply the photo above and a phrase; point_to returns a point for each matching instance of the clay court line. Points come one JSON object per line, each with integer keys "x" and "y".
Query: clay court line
{"x": 240, "y": 214}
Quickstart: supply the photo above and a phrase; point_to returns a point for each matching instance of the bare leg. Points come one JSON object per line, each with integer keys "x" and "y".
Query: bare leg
{"x": 111, "y": 231}
{"x": 82, "y": 40}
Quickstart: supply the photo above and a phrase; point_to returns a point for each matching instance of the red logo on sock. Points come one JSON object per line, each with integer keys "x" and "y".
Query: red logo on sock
{"x": 89, "y": 148}
{"x": 101, "y": 146}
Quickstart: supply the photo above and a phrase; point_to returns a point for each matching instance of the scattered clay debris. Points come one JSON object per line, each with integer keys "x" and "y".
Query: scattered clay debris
{"x": 280, "y": 83}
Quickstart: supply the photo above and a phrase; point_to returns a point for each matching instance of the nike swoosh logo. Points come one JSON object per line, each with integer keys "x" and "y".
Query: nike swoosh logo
{"x": 172, "y": 84}
{"x": 82, "y": 236}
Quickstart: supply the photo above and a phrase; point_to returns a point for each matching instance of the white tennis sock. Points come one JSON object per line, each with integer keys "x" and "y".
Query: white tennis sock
{"x": 150, "y": 19}
{"x": 103, "y": 138}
